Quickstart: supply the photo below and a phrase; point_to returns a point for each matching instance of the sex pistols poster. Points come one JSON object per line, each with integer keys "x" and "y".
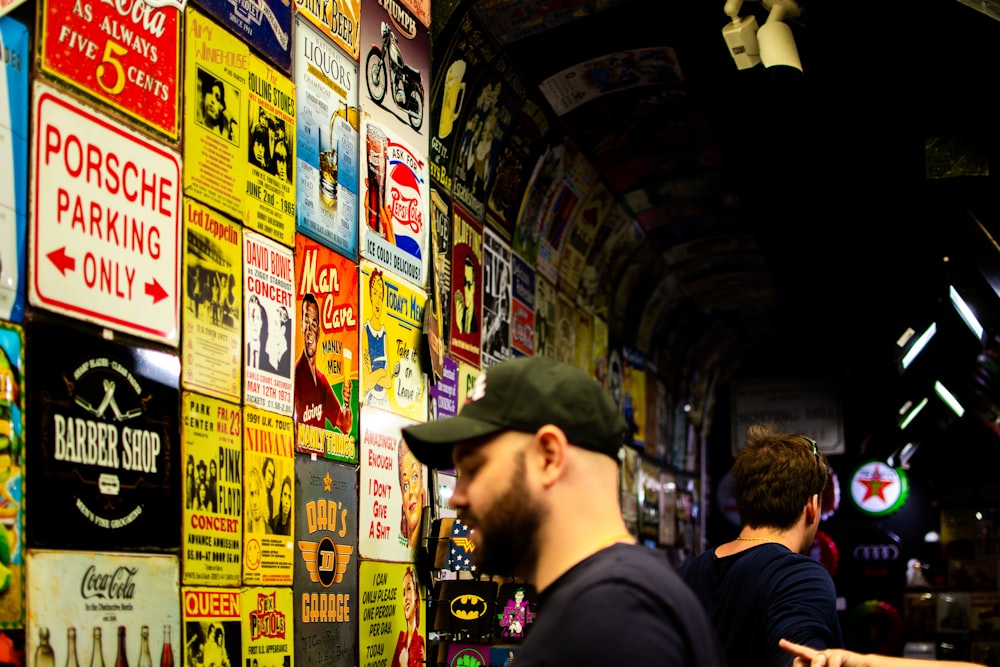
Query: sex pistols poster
{"x": 326, "y": 349}
{"x": 212, "y": 451}
{"x": 13, "y": 152}
{"x": 103, "y": 414}
{"x": 326, "y": 568}
{"x": 392, "y": 376}
{"x": 124, "y": 54}
{"x": 393, "y": 489}
{"x": 268, "y": 493}
{"x": 326, "y": 84}
{"x": 213, "y": 295}
{"x": 268, "y": 633}
{"x": 268, "y": 320}
{"x": 392, "y": 620}
{"x": 11, "y": 475}
{"x": 212, "y": 632}
{"x": 105, "y": 603}
{"x": 239, "y": 118}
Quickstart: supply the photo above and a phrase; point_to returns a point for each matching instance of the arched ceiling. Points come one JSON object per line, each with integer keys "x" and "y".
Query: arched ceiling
{"x": 773, "y": 226}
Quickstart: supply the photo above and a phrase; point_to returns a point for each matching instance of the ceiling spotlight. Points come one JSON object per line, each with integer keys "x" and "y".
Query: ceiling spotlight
{"x": 774, "y": 38}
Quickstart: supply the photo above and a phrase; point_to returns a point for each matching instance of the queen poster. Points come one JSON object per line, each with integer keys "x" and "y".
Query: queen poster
{"x": 326, "y": 352}
{"x": 326, "y": 566}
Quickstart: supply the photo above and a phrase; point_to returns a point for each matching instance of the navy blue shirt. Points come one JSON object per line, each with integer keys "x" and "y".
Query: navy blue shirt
{"x": 761, "y": 594}
{"x": 624, "y": 605}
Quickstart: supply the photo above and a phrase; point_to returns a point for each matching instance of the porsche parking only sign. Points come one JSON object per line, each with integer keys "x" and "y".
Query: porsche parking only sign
{"x": 106, "y": 213}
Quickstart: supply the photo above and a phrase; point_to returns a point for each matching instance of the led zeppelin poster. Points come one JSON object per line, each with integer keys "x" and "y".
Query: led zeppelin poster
{"x": 338, "y": 21}
{"x": 212, "y": 451}
{"x": 239, "y": 119}
{"x": 213, "y": 295}
{"x": 326, "y": 84}
{"x": 105, "y": 603}
{"x": 269, "y": 318}
{"x": 467, "y": 286}
{"x": 394, "y": 230}
{"x": 392, "y": 377}
{"x": 266, "y": 618}
{"x": 14, "y": 97}
{"x": 11, "y": 475}
{"x": 326, "y": 565}
{"x": 212, "y": 632}
{"x": 124, "y": 54}
{"x": 268, "y": 498}
{"x": 267, "y": 24}
{"x": 393, "y": 486}
{"x": 326, "y": 352}
{"x": 105, "y": 454}
{"x": 393, "y": 618}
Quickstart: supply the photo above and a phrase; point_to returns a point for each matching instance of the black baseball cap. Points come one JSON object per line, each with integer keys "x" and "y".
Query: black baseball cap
{"x": 524, "y": 394}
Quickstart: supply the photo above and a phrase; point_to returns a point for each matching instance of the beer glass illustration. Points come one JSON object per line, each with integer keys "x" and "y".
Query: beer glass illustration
{"x": 454, "y": 95}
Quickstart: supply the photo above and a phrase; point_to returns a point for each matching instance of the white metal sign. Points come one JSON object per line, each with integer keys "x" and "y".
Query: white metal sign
{"x": 105, "y": 225}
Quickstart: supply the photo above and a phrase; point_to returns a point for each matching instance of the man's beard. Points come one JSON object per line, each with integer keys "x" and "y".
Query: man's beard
{"x": 507, "y": 536}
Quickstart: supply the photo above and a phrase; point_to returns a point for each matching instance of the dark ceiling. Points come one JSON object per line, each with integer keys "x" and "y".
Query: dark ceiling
{"x": 790, "y": 219}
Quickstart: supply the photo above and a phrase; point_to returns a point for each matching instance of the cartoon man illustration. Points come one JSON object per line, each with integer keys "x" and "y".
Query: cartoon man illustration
{"x": 315, "y": 402}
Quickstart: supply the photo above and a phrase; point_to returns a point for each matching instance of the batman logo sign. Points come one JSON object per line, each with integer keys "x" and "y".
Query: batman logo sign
{"x": 468, "y": 607}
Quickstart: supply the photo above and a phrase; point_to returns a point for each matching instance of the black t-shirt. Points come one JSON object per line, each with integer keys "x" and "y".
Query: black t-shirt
{"x": 624, "y": 605}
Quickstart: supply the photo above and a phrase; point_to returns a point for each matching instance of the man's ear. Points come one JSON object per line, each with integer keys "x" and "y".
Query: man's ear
{"x": 551, "y": 449}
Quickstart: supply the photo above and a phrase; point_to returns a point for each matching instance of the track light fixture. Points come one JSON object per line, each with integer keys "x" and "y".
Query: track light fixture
{"x": 772, "y": 43}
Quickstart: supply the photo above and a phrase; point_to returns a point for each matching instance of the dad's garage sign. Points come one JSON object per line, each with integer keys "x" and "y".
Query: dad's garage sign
{"x": 106, "y": 214}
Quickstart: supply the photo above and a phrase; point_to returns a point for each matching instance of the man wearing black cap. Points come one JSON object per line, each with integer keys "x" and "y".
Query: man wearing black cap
{"x": 536, "y": 455}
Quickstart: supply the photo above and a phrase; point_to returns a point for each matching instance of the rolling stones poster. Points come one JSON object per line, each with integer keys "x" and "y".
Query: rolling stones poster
{"x": 392, "y": 375}
{"x": 104, "y": 419}
{"x": 213, "y": 295}
{"x": 393, "y": 617}
{"x": 268, "y": 498}
{"x": 326, "y": 85}
{"x": 212, "y": 632}
{"x": 522, "y": 315}
{"x": 11, "y": 475}
{"x": 325, "y": 583}
{"x": 395, "y": 63}
{"x": 14, "y": 98}
{"x": 269, "y": 318}
{"x": 395, "y": 214}
{"x": 267, "y": 24}
{"x": 212, "y": 451}
{"x": 104, "y": 603}
{"x": 124, "y": 54}
{"x": 393, "y": 490}
{"x": 239, "y": 118}
{"x": 266, "y": 614}
{"x": 496, "y": 298}
{"x": 467, "y": 287}
{"x": 326, "y": 352}
{"x": 337, "y": 21}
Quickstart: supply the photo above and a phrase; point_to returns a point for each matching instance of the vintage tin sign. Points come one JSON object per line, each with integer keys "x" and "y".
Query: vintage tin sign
{"x": 14, "y": 100}
{"x": 326, "y": 568}
{"x": 268, "y": 493}
{"x": 125, "y": 54}
{"x": 212, "y": 626}
{"x": 105, "y": 229}
{"x": 269, "y": 320}
{"x": 326, "y": 347}
{"x": 326, "y": 84}
{"x": 267, "y": 24}
{"x": 11, "y": 475}
{"x": 105, "y": 440}
{"x": 213, "y": 296}
{"x": 266, "y": 619}
{"x": 212, "y": 449}
{"x": 393, "y": 488}
{"x": 392, "y": 376}
{"x": 119, "y": 608}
